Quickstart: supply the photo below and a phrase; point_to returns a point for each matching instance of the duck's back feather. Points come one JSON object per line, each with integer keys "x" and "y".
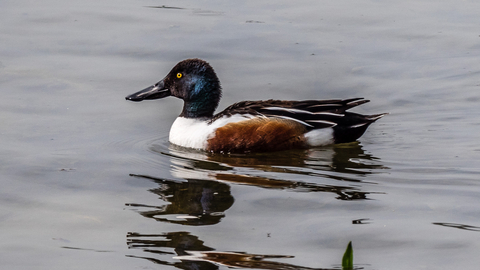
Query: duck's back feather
{"x": 313, "y": 114}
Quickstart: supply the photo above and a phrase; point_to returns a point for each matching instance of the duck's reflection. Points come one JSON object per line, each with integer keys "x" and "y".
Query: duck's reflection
{"x": 200, "y": 195}
{"x": 173, "y": 243}
{"x": 341, "y": 163}
{"x": 203, "y": 194}
{"x": 191, "y": 202}
{"x": 193, "y": 254}
{"x": 345, "y": 162}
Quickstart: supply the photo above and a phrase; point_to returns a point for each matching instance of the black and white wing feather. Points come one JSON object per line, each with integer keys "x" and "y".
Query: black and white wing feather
{"x": 313, "y": 114}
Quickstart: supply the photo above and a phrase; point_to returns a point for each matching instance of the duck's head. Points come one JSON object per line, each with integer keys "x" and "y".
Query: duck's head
{"x": 192, "y": 80}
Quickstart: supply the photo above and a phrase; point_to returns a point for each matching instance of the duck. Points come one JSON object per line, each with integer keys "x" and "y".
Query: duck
{"x": 251, "y": 126}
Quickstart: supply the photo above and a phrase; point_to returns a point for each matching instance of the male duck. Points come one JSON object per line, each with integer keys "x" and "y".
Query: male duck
{"x": 251, "y": 126}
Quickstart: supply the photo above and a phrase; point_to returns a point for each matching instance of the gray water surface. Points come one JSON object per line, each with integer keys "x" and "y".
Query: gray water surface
{"x": 89, "y": 180}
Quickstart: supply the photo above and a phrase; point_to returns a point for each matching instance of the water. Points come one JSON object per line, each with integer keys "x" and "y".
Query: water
{"x": 89, "y": 180}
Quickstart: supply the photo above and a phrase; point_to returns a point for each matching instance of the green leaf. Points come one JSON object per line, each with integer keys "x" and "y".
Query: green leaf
{"x": 347, "y": 261}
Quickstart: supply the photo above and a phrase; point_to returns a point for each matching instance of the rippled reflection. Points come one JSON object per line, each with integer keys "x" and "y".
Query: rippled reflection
{"x": 172, "y": 243}
{"x": 194, "y": 254}
{"x": 341, "y": 163}
{"x": 344, "y": 158}
{"x": 192, "y": 202}
{"x": 199, "y": 194}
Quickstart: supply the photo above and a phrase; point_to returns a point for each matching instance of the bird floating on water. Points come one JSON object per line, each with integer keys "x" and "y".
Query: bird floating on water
{"x": 251, "y": 126}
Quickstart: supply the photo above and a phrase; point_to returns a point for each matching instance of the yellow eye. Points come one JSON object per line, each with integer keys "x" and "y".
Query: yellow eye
{"x": 179, "y": 75}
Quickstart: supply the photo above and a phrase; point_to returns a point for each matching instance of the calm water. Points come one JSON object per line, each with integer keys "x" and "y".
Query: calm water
{"x": 89, "y": 180}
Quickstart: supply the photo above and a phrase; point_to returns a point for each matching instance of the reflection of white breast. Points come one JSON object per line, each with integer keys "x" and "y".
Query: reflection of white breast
{"x": 194, "y": 133}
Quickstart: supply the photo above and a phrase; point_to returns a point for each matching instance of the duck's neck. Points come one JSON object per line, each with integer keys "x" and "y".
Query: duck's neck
{"x": 204, "y": 96}
{"x": 198, "y": 109}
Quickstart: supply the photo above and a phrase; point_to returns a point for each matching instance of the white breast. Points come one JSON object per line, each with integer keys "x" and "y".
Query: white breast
{"x": 194, "y": 133}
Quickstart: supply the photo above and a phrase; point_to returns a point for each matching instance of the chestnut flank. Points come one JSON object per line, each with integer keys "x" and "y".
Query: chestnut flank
{"x": 257, "y": 135}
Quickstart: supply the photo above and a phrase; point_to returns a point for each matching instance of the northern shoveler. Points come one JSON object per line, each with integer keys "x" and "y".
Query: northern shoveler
{"x": 251, "y": 126}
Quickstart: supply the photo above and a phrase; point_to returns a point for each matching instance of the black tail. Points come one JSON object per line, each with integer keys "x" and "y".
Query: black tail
{"x": 352, "y": 126}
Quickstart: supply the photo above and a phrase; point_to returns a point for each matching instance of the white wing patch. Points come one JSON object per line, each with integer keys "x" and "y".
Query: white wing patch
{"x": 332, "y": 124}
{"x": 287, "y": 110}
{"x": 359, "y": 125}
{"x": 326, "y": 105}
{"x": 329, "y": 113}
{"x": 293, "y": 119}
